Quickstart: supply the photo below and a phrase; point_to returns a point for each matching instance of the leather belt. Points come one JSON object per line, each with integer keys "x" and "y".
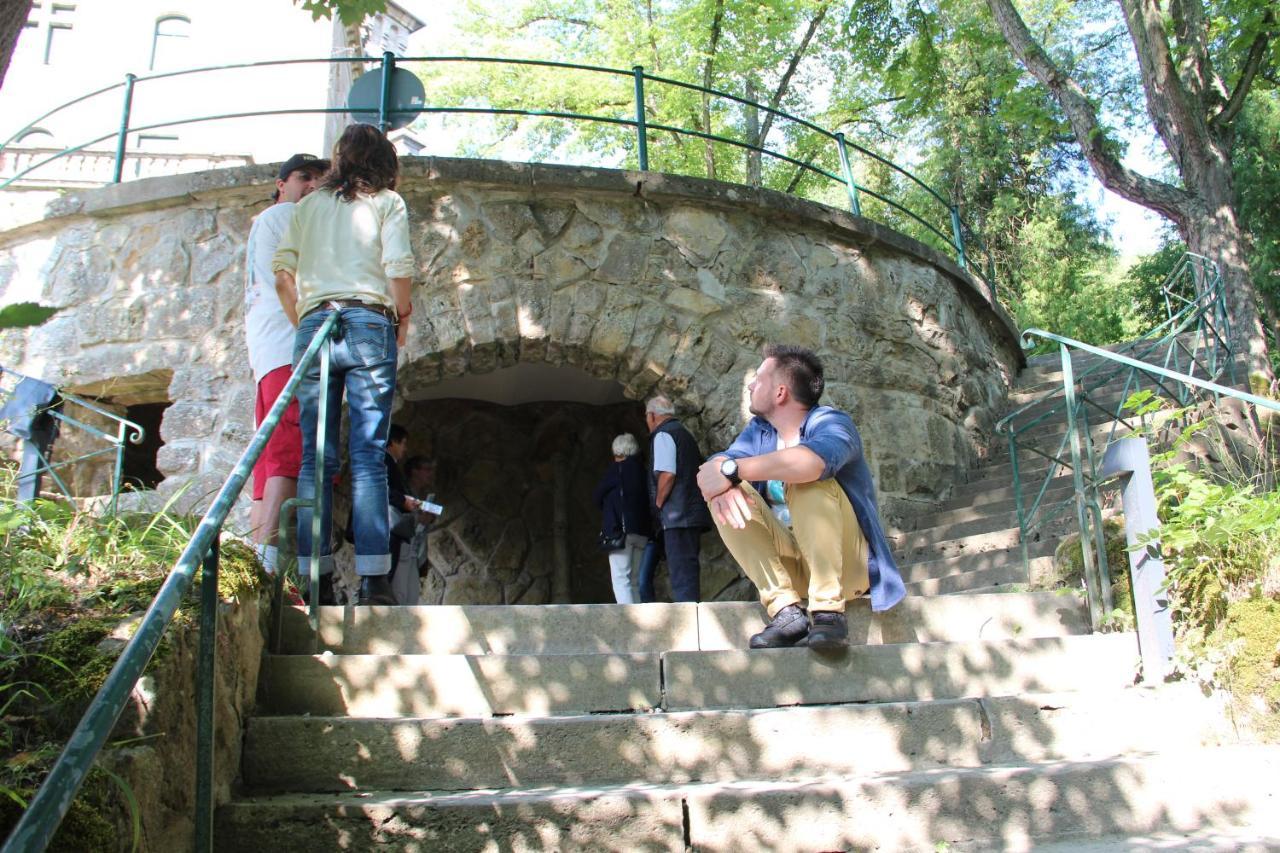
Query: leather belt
{"x": 335, "y": 304}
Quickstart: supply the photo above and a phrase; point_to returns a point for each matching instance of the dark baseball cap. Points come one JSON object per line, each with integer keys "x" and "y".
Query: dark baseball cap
{"x": 302, "y": 161}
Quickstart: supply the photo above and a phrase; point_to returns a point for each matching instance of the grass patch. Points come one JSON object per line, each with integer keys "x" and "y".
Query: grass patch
{"x": 72, "y": 595}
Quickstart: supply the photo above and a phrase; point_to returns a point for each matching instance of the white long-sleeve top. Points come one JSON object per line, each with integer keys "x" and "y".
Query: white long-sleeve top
{"x": 346, "y": 249}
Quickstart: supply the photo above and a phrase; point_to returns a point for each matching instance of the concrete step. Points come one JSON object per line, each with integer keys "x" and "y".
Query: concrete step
{"x": 917, "y": 619}
{"x": 694, "y": 681}
{"x": 1011, "y": 807}
{"x": 986, "y": 489}
{"x": 722, "y": 746}
{"x": 922, "y": 549}
{"x": 991, "y": 580}
{"x": 495, "y": 685}
{"x": 1040, "y": 555}
{"x": 973, "y": 511}
{"x": 578, "y": 629}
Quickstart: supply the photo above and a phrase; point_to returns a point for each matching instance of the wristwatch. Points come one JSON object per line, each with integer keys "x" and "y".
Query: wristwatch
{"x": 729, "y": 468}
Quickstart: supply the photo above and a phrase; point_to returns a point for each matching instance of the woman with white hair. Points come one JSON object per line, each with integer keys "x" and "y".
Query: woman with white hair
{"x": 623, "y": 498}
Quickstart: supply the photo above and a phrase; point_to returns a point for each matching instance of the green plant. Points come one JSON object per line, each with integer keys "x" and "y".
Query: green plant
{"x": 1220, "y": 540}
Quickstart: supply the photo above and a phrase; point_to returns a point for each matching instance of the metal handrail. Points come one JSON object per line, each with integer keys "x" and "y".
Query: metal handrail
{"x": 49, "y": 805}
{"x": 951, "y": 234}
{"x": 126, "y": 432}
{"x": 1202, "y": 316}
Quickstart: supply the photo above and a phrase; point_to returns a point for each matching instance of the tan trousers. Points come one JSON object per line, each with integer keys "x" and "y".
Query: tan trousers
{"x": 823, "y": 557}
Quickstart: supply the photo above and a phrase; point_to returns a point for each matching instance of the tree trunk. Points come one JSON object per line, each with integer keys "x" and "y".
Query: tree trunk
{"x": 1213, "y": 231}
{"x": 13, "y": 14}
{"x": 753, "y": 137}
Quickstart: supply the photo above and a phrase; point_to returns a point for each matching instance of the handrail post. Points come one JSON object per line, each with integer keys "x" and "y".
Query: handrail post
{"x": 958, "y": 236}
{"x": 1017, "y": 501}
{"x": 388, "y": 66}
{"x": 642, "y": 141}
{"x": 1130, "y": 459}
{"x": 849, "y": 183}
{"x": 1096, "y": 612}
{"x": 206, "y": 668}
{"x": 123, "y": 137}
{"x": 318, "y": 505}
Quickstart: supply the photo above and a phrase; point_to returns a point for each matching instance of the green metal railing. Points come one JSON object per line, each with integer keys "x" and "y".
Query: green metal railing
{"x": 1181, "y": 360}
{"x": 126, "y": 432}
{"x": 942, "y": 225}
{"x": 45, "y": 811}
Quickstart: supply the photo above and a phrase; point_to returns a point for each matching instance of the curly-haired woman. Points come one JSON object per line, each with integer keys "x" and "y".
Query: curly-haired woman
{"x": 347, "y": 250}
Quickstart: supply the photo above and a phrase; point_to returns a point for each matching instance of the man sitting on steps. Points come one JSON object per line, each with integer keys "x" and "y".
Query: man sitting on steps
{"x": 793, "y": 500}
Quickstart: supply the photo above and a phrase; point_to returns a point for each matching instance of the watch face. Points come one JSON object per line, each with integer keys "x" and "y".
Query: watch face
{"x": 729, "y": 468}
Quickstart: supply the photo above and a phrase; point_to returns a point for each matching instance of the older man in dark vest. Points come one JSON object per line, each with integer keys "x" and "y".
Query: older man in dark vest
{"x": 673, "y": 490}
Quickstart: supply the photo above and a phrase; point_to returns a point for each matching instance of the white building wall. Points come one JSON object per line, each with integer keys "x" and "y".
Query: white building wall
{"x": 108, "y": 38}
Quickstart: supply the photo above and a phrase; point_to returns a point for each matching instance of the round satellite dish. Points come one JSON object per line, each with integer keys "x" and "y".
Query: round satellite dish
{"x": 405, "y": 97}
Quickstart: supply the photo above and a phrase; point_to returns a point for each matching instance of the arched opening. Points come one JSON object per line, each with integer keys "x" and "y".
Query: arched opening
{"x": 517, "y": 453}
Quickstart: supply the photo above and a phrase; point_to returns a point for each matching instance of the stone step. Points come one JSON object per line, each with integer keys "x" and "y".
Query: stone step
{"x": 1040, "y": 555}
{"x": 986, "y": 580}
{"x": 916, "y": 619}
{"x": 694, "y": 681}
{"x": 578, "y": 629}
{"x": 973, "y": 511}
{"x": 985, "y": 490}
{"x": 1011, "y": 807}
{"x": 495, "y": 685}
{"x": 922, "y": 549}
{"x": 722, "y": 746}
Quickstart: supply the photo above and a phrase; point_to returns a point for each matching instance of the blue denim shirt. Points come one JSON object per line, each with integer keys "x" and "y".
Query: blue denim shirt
{"x": 831, "y": 434}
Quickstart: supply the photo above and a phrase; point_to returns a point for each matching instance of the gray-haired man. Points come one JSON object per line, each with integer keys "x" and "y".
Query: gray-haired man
{"x": 674, "y": 492}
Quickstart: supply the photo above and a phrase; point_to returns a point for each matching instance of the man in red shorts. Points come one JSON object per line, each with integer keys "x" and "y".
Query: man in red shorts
{"x": 269, "y": 336}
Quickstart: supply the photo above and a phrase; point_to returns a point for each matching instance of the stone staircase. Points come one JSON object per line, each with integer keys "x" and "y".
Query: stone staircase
{"x": 989, "y": 720}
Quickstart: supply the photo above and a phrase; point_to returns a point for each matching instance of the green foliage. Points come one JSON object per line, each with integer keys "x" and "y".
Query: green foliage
{"x": 1220, "y": 540}
{"x": 72, "y": 580}
{"x": 23, "y": 314}
{"x": 351, "y": 12}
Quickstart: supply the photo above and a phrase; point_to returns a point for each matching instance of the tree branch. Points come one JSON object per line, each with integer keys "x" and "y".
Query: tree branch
{"x": 577, "y": 22}
{"x": 785, "y": 82}
{"x": 1248, "y": 73}
{"x": 709, "y": 154}
{"x": 1159, "y": 196}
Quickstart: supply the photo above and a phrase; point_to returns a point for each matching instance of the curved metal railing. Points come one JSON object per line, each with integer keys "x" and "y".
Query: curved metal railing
{"x": 1180, "y": 360}
{"x": 44, "y": 813}
{"x": 939, "y": 224}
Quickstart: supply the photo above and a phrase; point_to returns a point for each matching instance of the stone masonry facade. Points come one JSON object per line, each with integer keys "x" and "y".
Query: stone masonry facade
{"x": 659, "y": 283}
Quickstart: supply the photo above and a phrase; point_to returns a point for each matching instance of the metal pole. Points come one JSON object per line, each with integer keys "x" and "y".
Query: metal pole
{"x": 117, "y": 476}
{"x": 1096, "y": 612}
{"x": 849, "y": 183}
{"x": 206, "y": 667}
{"x": 122, "y": 139}
{"x": 388, "y": 66}
{"x": 1017, "y": 502}
{"x": 958, "y": 236}
{"x": 318, "y": 504}
{"x": 642, "y": 142}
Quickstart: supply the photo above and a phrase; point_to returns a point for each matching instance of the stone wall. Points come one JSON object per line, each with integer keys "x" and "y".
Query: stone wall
{"x": 659, "y": 283}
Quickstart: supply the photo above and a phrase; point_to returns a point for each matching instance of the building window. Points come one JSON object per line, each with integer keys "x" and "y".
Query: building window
{"x": 168, "y": 41}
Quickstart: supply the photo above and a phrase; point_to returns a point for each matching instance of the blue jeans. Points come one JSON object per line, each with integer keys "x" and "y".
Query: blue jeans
{"x": 363, "y": 361}
{"x": 648, "y": 568}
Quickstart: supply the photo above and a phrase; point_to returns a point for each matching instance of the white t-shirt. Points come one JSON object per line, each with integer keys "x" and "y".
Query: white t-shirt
{"x": 268, "y": 332}
{"x": 664, "y": 453}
